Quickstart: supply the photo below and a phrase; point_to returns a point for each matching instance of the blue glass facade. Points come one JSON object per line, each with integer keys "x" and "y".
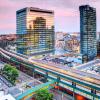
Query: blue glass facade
{"x": 88, "y": 44}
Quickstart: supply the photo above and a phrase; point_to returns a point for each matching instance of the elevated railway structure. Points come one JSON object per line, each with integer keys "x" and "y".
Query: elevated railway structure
{"x": 75, "y": 82}
{"x": 30, "y": 92}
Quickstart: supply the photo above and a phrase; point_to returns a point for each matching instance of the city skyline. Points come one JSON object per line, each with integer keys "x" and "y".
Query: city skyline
{"x": 50, "y": 50}
{"x": 66, "y": 13}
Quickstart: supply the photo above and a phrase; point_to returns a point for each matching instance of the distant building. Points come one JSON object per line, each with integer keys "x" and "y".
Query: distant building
{"x": 72, "y": 43}
{"x": 36, "y": 29}
{"x": 59, "y": 40}
{"x": 7, "y": 39}
{"x": 98, "y": 35}
{"x": 68, "y": 41}
{"x": 77, "y": 34}
{"x": 88, "y": 44}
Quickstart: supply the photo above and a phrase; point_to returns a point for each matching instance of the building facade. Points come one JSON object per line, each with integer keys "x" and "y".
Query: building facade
{"x": 7, "y": 40}
{"x": 98, "y": 44}
{"x": 71, "y": 43}
{"x": 88, "y": 44}
{"x": 59, "y": 40}
{"x": 36, "y": 29}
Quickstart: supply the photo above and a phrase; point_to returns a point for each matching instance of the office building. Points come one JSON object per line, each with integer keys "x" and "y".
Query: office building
{"x": 98, "y": 48}
{"x": 88, "y": 44}
{"x": 36, "y": 29}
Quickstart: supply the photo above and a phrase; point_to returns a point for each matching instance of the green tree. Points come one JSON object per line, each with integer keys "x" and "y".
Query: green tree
{"x": 10, "y": 72}
{"x": 43, "y": 95}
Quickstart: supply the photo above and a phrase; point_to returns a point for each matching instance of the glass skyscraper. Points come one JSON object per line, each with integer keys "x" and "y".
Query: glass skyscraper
{"x": 36, "y": 31}
{"x": 88, "y": 44}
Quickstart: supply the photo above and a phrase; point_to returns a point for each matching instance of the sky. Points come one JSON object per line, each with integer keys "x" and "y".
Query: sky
{"x": 67, "y": 17}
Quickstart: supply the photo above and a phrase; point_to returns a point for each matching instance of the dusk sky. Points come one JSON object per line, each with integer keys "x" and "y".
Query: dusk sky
{"x": 66, "y": 13}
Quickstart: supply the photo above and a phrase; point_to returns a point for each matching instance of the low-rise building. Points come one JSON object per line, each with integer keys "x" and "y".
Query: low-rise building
{"x": 6, "y": 97}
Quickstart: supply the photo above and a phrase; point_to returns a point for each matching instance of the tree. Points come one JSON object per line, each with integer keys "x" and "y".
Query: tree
{"x": 10, "y": 72}
{"x": 43, "y": 95}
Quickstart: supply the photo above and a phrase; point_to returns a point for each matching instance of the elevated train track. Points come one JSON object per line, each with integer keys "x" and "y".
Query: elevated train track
{"x": 87, "y": 86}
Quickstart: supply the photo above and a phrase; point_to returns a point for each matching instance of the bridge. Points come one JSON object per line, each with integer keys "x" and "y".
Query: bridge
{"x": 78, "y": 82}
{"x": 29, "y": 93}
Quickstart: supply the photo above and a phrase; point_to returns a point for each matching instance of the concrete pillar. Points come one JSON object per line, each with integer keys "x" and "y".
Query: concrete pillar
{"x": 74, "y": 85}
{"x": 46, "y": 77}
{"x": 93, "y": 91}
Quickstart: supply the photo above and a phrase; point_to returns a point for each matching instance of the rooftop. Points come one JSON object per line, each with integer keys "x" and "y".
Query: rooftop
{"x": 6, "y": 97}
{"x": 35, "y": 10}
{"x": 92, "y": 67}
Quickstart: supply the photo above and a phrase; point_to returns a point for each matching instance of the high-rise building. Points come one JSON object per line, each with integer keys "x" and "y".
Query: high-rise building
{"x": 36, "y": 29}
{"x": 98, "y": 44}
{"x": 88, "y": 44}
